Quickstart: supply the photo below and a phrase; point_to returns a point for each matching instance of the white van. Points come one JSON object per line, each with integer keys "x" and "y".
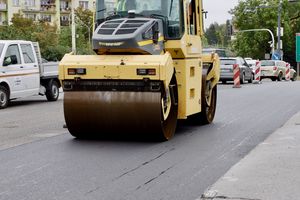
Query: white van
{"x": 23, "y": 74}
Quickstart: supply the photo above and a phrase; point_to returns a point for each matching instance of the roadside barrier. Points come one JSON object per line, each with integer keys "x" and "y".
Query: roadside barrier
{"x": 257, "y": 73}
{"x": 288, "y": 72}
{"x": 236, "y": 76}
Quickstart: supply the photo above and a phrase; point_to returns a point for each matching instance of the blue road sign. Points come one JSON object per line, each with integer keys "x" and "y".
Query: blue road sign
{"x": 276, "y": 55}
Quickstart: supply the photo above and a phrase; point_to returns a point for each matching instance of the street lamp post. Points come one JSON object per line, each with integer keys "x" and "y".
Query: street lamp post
{"x": 279, "y": 7}
{"x": 262, "y": 29}
{"x": 73, "y": 28}
{"x": 279, "y": 27}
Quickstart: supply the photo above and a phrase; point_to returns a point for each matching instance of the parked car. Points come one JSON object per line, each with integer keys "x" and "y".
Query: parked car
{"x": 227, "y": 65}
{"x": 252, "y": 63}
{"x": 273, "y": 69}
{"x": 293, "y": 74}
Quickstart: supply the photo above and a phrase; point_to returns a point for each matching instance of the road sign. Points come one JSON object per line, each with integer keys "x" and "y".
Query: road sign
{"x": 281, "y": 31}
{"x": 276, "y": 55}
{"x": 298, "y": 47}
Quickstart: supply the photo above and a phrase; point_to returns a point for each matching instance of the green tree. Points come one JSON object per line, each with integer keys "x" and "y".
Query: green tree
{"x": 216, "y": 35}
{"x": 84, "y": 30}
{"x": 249, "y": 14}
{"x": 42, "y": 32}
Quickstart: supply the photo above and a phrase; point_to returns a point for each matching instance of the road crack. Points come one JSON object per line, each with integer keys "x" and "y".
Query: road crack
{"x": 226, "y": 198}
{"x": 154, "y": 178}
{"x": 144, "y": 164}
{"x": 136, "y": 168}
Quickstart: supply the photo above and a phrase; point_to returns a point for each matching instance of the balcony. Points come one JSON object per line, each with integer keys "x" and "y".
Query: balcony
{"x": 65, "y": 10}
{"x": 48, "y": 6}
{"x": 3, "y": 7}
{"x": 48, "y": 9}
{"x": 30, "y": 9}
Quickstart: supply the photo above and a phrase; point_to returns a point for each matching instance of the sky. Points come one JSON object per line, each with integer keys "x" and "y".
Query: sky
{"x": 218, "y": 10}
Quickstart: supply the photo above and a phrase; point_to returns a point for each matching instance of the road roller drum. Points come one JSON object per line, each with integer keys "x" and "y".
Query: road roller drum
{"x": 92, "y": 114}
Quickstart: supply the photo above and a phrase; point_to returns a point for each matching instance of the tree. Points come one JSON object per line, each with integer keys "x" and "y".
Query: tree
{"x": 42, "y": 32}
{"x": 248, "y": 14}
{"x": 84, "y": 29}
{"x": 216, "y": 35}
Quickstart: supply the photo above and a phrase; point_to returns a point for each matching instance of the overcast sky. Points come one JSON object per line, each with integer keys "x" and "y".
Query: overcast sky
{"x": 218, "y": 10}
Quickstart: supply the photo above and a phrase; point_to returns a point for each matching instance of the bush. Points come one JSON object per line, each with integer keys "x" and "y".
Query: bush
{"x": 55, "y": 53}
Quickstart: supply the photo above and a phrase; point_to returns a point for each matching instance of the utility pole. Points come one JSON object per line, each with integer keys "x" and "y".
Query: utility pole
{"x": 73, "y": 28}
{"x": 279, "y": 27}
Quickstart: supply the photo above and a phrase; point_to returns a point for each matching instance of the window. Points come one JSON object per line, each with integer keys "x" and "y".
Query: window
{"x": 30, "y": 3}
{"x": 64, "y": 6}
{"x": 27, "y": 53}
{"x": 191, "y": 17}
{"x": 84, "y": 4}
{"x": 46, "y": 18}
{"x": 170, "y": 11}
{"x": 267, "y": 63}
{"x": 16, "y": 2}
{"x": 1, "y": 48}
{"x": 31, "y": 16}
{"x": 14, "y": 54}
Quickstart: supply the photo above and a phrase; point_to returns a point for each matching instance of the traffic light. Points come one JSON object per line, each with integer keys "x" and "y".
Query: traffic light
{"x": 229, "y": 30}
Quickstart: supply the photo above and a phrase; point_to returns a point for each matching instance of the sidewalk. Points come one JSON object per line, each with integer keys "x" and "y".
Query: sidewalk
{"x": 269, "y": 172}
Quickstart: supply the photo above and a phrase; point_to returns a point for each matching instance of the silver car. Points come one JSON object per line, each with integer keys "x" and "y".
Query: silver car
{"x": 227, "y": 70}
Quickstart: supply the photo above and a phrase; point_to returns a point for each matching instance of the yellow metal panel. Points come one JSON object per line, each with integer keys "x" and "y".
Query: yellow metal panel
{"x": 188, "y": 47}
{"x": 194, "y": 46}
{"x": 118, "y": 67}
{"x": 214, "y": 74}
{"x": 189, "y": 86}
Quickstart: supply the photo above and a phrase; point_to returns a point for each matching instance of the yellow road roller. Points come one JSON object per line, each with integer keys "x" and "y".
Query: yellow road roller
{"x": 148, "y": 73}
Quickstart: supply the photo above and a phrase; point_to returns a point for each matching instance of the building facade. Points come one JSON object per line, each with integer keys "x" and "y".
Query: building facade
{"x": 54, "y": 11}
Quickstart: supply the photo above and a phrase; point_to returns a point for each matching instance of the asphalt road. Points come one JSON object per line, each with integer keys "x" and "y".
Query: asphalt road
{"x": 39, "y": 160}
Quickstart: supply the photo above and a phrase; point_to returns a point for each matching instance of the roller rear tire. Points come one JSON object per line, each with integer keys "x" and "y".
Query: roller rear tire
{"x": 208, "y": 109}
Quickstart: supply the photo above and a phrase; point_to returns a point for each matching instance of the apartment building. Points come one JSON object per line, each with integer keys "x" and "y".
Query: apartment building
{"x": 54, "y": 11}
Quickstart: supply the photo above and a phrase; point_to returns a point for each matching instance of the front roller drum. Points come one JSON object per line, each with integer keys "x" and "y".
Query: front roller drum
{"x": 108, "y": 113}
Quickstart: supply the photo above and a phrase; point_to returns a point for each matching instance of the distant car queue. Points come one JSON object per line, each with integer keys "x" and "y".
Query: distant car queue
{"x": 272, "y": 69}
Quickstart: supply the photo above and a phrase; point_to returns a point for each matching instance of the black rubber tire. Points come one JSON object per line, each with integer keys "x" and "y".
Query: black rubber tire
{"x": 206, "y": 116}
{"x": 280, "y": 76}
{"x": 4, "y": 97}
{"x": 251, "y": 79}
{"x": 273, "y": 79}
{"x": 52, "y": 90}
{"x": 294, "y": 78}
{"x": 242, "y": 79}
{"x": 169, "y": 125}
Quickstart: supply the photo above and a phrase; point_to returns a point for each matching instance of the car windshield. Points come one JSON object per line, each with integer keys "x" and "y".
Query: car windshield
{"x": 170, "y": 10}
{"x": 1, "y": 48}
{"x": 267, "y": 63}
{"x": 228, "y": 62}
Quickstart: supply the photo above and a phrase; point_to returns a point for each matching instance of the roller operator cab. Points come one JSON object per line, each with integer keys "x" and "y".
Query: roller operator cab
{"x": 148, "y": 72}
